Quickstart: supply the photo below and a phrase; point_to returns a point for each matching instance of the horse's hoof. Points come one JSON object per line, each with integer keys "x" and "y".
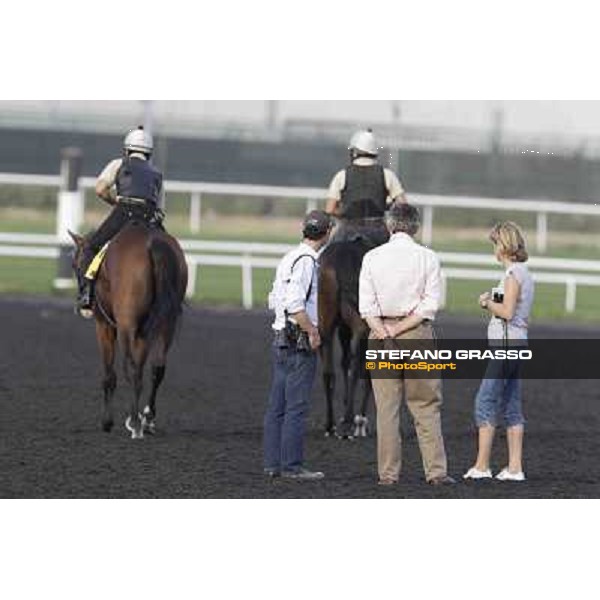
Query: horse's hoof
{"x": 344, "y": 431}
{"x": 361, "y": 424}
{"x": 148, "y": 423}
{"x": 330, "y": 432}
{"x": 107, "y": 426}
{"x": 149, "y": 427}
{"x": 136, "y": 433}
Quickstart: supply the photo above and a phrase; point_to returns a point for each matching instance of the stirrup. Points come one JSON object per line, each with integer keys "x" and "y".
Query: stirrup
{"x": 84, "y": 306}
{"x": 86, "y": 313}
{"x": 84, "y": 310}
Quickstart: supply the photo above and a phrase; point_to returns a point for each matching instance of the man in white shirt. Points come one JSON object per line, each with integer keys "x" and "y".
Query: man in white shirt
{"x": 296, "y": 338}
{"x": 399, "y": 295}
{"x": 360, "y": 194}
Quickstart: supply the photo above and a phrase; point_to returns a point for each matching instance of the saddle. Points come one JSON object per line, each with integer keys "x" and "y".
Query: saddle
{"x": 371, "y": 231}
{"x": 140, "y": 211}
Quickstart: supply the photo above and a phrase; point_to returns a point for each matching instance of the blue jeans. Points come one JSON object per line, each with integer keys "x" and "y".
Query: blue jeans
{"x": 287, "y": 409}
{"x": 499, "y": 395}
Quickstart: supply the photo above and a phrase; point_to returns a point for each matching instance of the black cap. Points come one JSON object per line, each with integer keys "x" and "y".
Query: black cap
{"x": 316, "y": 224}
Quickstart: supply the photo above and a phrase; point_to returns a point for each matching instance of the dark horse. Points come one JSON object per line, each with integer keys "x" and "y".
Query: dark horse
{"x": 339, "y": 272}
{"x": 140, "y": 290}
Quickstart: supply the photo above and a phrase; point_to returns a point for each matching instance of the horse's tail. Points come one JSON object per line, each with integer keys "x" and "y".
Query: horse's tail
{"x": 346, "y": 260}
{"x": 166, "y": 307}
{"x": 328, "y": 301}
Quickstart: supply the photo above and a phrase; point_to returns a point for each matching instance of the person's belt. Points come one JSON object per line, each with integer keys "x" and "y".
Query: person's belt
{"x": 402, "y": 318}
{"x": 359, "y": 219}
{"x": 132, "y": 200}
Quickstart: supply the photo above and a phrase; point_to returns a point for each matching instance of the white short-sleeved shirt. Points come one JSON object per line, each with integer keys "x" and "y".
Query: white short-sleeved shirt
{"x": 296, "y": 276}
{"x": 392, "y": 183}
{"x": 517, "y": 327}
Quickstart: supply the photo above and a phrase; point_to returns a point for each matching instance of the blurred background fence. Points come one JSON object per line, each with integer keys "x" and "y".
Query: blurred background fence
{"x": 248, "y": 256}
{"x": 233, "y": 182}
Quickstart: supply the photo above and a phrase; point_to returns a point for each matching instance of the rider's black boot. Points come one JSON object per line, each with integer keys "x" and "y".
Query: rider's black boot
{"x": 85, "y": 299}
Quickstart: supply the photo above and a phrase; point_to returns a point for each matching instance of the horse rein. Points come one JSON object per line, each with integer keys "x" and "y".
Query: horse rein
{"x": 105, "y": 314}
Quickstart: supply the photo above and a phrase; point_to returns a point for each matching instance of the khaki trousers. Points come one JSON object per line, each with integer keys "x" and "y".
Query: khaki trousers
{"x": 424, "y": 401}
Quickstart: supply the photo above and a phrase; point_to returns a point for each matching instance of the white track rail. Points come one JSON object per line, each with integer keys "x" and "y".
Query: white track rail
{"x": 313, "y": 196}
{"x": 248, "y": 256}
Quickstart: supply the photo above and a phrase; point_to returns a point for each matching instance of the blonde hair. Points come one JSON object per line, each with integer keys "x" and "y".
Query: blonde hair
{"x": 509, "y": 239}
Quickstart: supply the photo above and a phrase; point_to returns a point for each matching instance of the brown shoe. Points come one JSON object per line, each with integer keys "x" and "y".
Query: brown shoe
{"x": 442, "y": 480}
{"x": 387, "y": 481}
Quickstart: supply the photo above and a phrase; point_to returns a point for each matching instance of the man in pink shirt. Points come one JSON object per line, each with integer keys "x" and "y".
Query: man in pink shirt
{"x": 399, "y": 295}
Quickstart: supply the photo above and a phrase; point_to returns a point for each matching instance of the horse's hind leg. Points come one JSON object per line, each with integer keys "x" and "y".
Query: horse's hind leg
{"x": 345, "y": 336}
{"x": 106, "y": 336}
{"x": 353, "y": 350}
{"x": 149, "y": 416}
{"x": 361, "y": 421}
{"x": 328, "y": 384}
{"x": 136, "y": 355}
{"x": 158, "y": 367}
{"x": 328, "y": 321}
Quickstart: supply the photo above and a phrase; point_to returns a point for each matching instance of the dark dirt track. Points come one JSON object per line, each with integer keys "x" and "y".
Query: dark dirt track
{"x": 210, "y": 415}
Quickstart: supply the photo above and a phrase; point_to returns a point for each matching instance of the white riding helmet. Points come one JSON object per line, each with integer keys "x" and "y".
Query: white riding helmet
{"x": 364, "y": 141}
{"x": 138, "y": 140}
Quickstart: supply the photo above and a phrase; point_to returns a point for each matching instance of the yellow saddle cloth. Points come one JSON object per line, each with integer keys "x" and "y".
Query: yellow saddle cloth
{"x": 94, "y": 267}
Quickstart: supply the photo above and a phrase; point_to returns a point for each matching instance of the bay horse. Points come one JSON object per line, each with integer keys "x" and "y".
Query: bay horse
{"x": 140, "y": 289}
{"x": 339, "y": 270}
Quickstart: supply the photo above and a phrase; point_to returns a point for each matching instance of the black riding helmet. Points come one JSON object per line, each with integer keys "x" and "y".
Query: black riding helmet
{"x": 316, "y": 224}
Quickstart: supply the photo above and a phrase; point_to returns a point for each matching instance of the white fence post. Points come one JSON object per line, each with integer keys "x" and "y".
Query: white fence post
{"x": 444, "y": 291}
{"x": 192, "y": 275}
{"x": 195, "y": 211}
{"x": 570, "y": 296}
{"x": 246, "y": 282}
{"x": 69, "y": 215}
{"x": 542, "y": 232}
{"x": 427, "y": 224}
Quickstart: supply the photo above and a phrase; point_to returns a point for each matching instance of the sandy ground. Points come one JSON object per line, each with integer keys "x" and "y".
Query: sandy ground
{"x": 210, "y": 420}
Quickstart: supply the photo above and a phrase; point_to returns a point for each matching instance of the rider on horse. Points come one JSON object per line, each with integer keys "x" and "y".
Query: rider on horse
{"x": 133, "y": 185}
{"x": 360, "y": 194}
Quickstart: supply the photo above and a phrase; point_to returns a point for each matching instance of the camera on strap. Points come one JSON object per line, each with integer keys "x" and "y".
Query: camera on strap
{"x": 296, "y": 336}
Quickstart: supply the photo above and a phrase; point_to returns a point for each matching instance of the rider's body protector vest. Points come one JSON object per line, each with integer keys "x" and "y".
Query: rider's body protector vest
{"x": 138, "y": 178}
{"x": 365, "y": 193}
